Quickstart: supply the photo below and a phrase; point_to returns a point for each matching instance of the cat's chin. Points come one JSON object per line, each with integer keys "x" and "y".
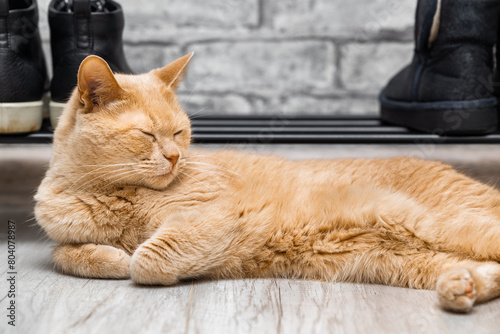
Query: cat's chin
{"x": 159, "y": 182}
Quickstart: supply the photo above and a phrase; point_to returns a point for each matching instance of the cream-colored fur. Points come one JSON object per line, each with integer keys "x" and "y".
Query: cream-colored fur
{"x": 436, "y": 21}
{"x": 125, "y": 197}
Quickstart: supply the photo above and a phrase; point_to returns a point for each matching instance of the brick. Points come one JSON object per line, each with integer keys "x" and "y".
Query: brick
{"x": 143, "y": 58}
{"x": 156, "y": 17}
{"x": 263, "y": 66}
{"x": 197, "y": 104}
{"x": 339, "y": 17}
{"x": 305, "y": 105}
{"x": 367, "y": 67}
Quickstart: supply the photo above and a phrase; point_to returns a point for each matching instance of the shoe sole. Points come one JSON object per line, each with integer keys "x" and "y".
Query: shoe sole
{"x": 21, "y": 117}
{"x": 474, "y": 117}
{"x": 56, "y": 110}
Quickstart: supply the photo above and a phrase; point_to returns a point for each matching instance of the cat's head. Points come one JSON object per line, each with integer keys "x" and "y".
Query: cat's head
{"x": 124, "y": 129}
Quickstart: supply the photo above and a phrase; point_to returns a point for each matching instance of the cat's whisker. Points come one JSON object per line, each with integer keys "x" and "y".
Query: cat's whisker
{"x": 180, "y": 179}
{"x": 207, "y": 164}
{"x": 99, "y": 174}
{"x": 102, "y": 174}
{"x": 31, "y": 219}
{"x": 218, "y": 180}
{"x": 218, "y": 173}
{"x": 120, "y": 164}
{"x": 142, "y": 179}
{"x": 190, "y": 95}
{"x": 224, "y": 163}
{"x": 201, "y": 182}
{"x": 102, "y": 170}
{"x": 180, "y": 197}
{"x": 212, "y": 165}
{"x": 151, "y": 165}
{"x": 121, "y": 176}
{"x": 208, "y": 171}
{"x": 82, "y": 186}
{"x": 191, "y": 116}
{"x": 102, "y": 165}
{"x": 190, "y": 157}
{"x": 205, "y": 156}
{"x": 93, "y": 171}
{"x": 185, "y": 102}
{"x": 196, "y": 115}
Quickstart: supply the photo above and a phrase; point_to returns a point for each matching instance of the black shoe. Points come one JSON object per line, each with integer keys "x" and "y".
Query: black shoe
{"x": 448, "y": 87}
{"x": 23, "y": 72}
{"x": 89, "y": 27}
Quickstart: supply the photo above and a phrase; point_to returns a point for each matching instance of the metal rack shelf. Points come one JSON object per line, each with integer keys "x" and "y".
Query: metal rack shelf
{"x": 293, "y": 130}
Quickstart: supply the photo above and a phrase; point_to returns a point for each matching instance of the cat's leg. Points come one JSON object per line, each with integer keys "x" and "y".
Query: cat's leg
{"x": 467, "y": 219}
{"x": 464, "y": 229}
{"x": 165, "y": 258}
{"x": 440, "y": 252}
{"x": 93, "y": 261}
{"x": 459, "y": 283}
{"x": 473, "y": 234}
{"x": 212, "y": 247}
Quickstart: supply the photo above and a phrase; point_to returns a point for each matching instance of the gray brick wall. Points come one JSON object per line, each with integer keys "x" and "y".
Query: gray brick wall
{"x": 272, "y": 56}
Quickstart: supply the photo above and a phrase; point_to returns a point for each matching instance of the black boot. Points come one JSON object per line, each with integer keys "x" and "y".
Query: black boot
{"x": 88, "y": 27}
{"x": 496, "y": 82}
{"x": 23, "y": 73}
{"x": 448, "y": 87}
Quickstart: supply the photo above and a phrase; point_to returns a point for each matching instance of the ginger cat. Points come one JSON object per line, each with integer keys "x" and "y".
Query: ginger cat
{"x": 124, "y": 197}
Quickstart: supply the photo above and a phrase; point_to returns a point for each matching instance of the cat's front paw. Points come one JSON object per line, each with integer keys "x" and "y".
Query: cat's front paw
{"x": 93, "y": 261}
{"x": 456, "y": 290}
{"x": 118, "y": 262}
{"x": 149, "y": 267}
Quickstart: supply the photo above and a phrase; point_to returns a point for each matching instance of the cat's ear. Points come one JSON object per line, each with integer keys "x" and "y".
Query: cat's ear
{"x": 96, "y": 83}
{"x": 173, "y": 74}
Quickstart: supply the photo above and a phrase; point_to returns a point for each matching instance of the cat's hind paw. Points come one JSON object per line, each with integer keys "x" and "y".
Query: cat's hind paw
{"x": 456, "y": 290}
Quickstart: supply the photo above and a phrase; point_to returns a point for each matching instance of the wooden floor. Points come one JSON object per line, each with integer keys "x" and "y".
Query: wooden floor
{"x": 48, "y": 302}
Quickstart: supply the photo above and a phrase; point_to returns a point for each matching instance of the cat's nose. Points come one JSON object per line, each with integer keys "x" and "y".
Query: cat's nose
{"x": 170, "y": 152}
{"x": 173, "y": 157}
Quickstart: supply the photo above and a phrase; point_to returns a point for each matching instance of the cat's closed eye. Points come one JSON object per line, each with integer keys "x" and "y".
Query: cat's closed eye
{"x": 178, "y": 133}
{"x": 148, "y": 134}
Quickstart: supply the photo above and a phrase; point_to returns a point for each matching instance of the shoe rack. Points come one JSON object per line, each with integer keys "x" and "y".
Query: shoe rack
{"x": 276, "y": 129}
